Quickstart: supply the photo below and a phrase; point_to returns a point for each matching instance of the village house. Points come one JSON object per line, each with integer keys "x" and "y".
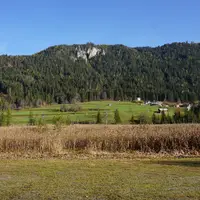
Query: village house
{"x": 186, "y": 105}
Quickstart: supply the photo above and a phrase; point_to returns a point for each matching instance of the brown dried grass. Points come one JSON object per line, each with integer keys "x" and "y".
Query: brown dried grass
{"x": 100, "y": 139}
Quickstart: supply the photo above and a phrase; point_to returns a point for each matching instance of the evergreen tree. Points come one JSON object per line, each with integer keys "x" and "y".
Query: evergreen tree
{"x": 193, "y": 115}
{"x": 117, "y": 117}
{"x": 8, "y": 117}
{"x": 177, "y": 116}
{"x": 32, "y": 120}
{"x": 163, "y": 119}
{"x": 99, "y": 118}
{"x": 169, "y": 119}
{"x": 189, "y": 116}
{"x": 2, "y": 118}
{"x": 132, "y": 120}
{"x": 67, "y": 120}
{"x": 154, "y": 119}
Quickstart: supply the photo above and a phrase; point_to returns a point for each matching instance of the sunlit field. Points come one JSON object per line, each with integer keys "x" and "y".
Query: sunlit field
{"x": 100, "y": 162}
{"x": 106, "y": 179}
{"x": 88, "y": 112}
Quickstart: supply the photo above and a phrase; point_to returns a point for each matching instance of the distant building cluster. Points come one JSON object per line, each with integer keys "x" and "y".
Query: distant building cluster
{"x": 164, "y": 105}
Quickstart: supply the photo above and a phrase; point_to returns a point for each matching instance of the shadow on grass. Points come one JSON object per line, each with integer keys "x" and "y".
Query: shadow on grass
{"x": 186, "y": 163}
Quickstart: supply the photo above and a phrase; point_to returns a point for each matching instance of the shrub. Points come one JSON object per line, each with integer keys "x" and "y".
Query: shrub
{"x": 32, "y": 120}
{"x": 75, "y": 108}
{"x": 143, "y": 119}
{"x": 72, "y": 108}
{"x": 40, "y": 122}
{"x": 63, "y": 108}
{"x": 59, "y": 120}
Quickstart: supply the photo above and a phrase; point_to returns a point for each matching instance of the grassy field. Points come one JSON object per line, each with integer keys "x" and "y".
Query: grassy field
{"x": 99, "y": 162}
{"x": 100, "y": 179}
{"x": 88, "y": 112}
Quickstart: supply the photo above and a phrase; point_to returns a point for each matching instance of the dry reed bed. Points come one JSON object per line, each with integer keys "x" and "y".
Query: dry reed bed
{"x": 170, "y": 139}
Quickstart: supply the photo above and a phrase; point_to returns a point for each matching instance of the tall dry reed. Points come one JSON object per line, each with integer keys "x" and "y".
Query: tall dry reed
{"x": 170, "y": 139}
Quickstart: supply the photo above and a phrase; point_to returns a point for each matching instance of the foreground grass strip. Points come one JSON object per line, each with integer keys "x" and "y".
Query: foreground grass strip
{"x": 100, "y": 179}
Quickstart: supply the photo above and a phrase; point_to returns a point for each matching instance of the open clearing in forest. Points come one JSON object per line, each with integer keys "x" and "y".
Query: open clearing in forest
{"x": 88, "y": 112}
{"x": 104, "y": 179}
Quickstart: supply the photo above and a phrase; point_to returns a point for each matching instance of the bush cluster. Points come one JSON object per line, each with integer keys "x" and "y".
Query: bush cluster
{"x": 70, "y": 108}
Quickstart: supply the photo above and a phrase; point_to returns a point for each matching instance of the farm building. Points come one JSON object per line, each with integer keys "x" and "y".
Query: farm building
{"x": 156, "y": 103}
{"x": 138, "y": 99}
{"x": 186, "y": 105}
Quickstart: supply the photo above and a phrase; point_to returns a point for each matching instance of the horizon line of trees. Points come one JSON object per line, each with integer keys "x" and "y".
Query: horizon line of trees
{"x": 170, "y": 72}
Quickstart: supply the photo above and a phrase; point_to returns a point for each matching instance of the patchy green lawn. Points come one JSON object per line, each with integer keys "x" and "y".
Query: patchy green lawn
{"x": 100, "y": 179}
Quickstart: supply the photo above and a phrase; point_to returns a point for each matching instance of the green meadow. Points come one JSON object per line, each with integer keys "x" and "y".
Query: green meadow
{"x": 105, "y": 179}
{"x": 88, "y": 112}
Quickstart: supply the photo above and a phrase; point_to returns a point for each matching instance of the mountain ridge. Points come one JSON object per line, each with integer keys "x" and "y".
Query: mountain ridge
{"x": 91, "y": 72}
{"x": 102, "y": 45}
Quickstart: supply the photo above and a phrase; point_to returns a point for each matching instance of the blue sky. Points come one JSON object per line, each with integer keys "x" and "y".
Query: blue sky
{"x": 30, "y": 26}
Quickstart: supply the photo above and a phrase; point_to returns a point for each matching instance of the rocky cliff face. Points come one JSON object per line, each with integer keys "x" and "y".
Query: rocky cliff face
{"x": 75, "y": 52}
{"x": 88, "y": 53}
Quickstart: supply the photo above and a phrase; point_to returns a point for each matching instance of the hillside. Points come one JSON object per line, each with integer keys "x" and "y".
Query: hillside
{"x": 92, "y": 72}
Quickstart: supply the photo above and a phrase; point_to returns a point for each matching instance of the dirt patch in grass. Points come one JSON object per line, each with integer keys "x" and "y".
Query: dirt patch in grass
{"x": 4, "y": 177}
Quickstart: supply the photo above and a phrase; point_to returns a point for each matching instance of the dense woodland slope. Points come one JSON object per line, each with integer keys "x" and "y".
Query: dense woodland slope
{"x": 90, "y": 72}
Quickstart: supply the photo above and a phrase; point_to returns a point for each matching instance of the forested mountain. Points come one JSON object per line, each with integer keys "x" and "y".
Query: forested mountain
{"x": 90, "y": 72}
